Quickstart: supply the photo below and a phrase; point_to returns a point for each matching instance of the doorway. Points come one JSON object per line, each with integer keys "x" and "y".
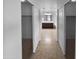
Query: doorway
{"x": 27, "y": 48}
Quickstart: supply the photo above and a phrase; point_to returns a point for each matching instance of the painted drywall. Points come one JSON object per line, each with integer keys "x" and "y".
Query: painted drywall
{"x": 26, "y": 8}
{"x": 27, "y": 27}
{"x": 70, "y": 17}
{"x": 70, "y": 9}
{"x": 54, "y": 15}
{"x": 61, "y": 3}
{"x": 26, "y": 20}
{"x": 36, "y": 27}
{"x": 67, "y": 10}
{"x": 70, "y": 27}
{"x": 35, "y": 2}
{"x": 61, "y": 29}
{"x": 12, "y": 42}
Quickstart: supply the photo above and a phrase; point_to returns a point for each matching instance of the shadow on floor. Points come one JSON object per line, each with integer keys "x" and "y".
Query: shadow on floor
{"x": 26, "y": 48}
{"x": 70, "y": 48}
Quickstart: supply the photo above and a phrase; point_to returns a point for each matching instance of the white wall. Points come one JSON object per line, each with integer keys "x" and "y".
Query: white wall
{"x": 27, "y": 27}
{"x": 55, "y": 17}
{"x": 35, "y": 2}
{"x": 26, "y": 8}
{"x": 70, "y": 17}
{"x": 12, "y": 29}
{"x": 61, "y": 3}
{"x": 70, "y": 27}
{"x": 36, "y": 27}
{"x": 61, "y": 29}
{"x": 70, "y": 9}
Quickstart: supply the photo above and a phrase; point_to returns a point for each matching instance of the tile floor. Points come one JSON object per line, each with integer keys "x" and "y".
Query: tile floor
{"x": 48, "y": 47}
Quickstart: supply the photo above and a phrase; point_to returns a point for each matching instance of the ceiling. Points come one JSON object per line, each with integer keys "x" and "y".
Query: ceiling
{"x": 45, "y": 4}
{"x": 48, "y": 4}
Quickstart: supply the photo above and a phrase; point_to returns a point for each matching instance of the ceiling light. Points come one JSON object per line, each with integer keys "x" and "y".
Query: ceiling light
{"x": 47, "y": 14}
{"x": 73, "y": 0}
{"x": 22, "y": 0}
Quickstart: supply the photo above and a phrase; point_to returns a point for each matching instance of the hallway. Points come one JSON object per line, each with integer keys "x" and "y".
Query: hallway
{"x": 22, "y": 23}
{"x": 48, "y": 47}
